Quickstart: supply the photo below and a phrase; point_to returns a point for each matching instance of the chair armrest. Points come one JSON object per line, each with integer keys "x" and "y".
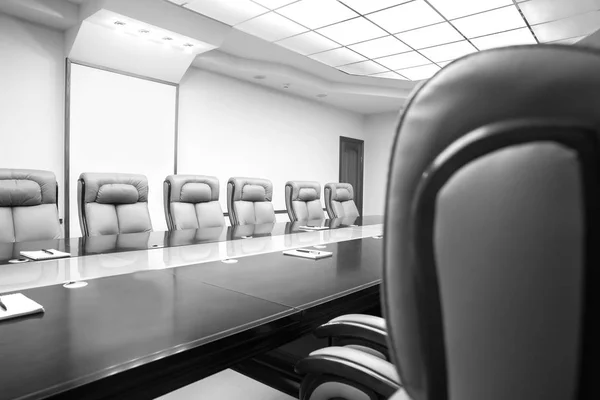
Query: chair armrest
{"x": 352, "y": 365}
{"x": 360, "y": 326}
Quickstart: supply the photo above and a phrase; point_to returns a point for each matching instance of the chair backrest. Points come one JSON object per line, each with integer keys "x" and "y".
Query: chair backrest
{"x": 113, "y": 203}
{"x": 339, "y": 200}
{"x": 192, "y": 202}
{"x": 28, "y": 205}
{"x": 303, "y": 201}
{"x": 491, "y": 228}
{"x": 249, "y": 201}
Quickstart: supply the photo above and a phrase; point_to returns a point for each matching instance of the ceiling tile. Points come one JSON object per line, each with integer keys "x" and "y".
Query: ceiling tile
{"x": 432, "y": 35}
{"x": 368, "y": 6}
{"x": 404, "y": 60}
{"x": 230, "y": 12}
{"x": 540, "y": 11}
{"x": 317, "y": 13}
{"x": 273, "y": 4}
{"x": 444, "y": 63}
{"x": 353, "y": 31}
{"x": 363, "y": 68}
{"x": 460, "y": 8}
{"x": 419, "y": 73}
{"x": 502, "y": 19}
{"x": 308, "y": 43}
{"x": 580, "y": 25}
{"x": 271, "y": 27}
{"x": 510, "y": 38}
{"x": 389, "y": 75}
{"x": 384, "y": 46}
{"x": 406, "y": 16}
{"x": 338, "y": 57}
{"x": 450, "y": 51}
{"x": 572, "y": 40}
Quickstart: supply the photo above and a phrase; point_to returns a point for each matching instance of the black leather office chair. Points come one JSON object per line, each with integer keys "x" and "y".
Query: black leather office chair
{"x": 491, "y": 232}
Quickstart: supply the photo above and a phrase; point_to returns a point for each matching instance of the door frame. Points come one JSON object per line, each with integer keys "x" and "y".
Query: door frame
{"x": 357, "y": 194}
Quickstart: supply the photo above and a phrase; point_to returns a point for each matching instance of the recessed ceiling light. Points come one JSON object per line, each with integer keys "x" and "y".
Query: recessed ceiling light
{"x": 460, "y": 8}
{"x": 317, "y": 13}
{"x": 352, "y": 31}
{"x": 259, "y": 76}
{"x": 384, "y": 46}
{"x": 144, "y": 31}
{"x": 499, "y": 20}
{"x": 419, "y": 73}
{"x": 368, "y": 6}
{"x": 167, "y": 38}
{"x": 432, "y": 35}
{"x": 448, "y": 52}
{"x": 407, "y": 16}
{"x": 271, "y": 27}
{"x": 286, "y": 85}
{"x": 404, "y": 60}
{"x": 119, "y": 23}
{"x": 321, "y": 95}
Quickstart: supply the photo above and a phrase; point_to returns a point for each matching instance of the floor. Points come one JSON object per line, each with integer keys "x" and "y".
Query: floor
{"x": 226, "y": 385}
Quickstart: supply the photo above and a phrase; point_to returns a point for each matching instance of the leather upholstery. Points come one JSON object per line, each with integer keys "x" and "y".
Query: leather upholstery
{"x": 249, "y": 201}
{"x": 498, "y": 304}
{"x": 339, "y": 200}
{"x": 113, "y": 203}
{"x": 192, "y": 202}
{"x": 28, "y": 205}
{"x": 303, "y": 201}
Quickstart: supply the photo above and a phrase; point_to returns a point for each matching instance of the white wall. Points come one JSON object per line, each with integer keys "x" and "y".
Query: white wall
{"x": 379, "y": 131}
{"x": 32, "y": 63}
{"x": 228, "y": 127}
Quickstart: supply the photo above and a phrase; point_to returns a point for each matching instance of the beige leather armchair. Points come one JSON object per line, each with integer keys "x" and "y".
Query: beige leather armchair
{"x": 339, "y": 200}
{"x": 249, "y": 201}
{"x": 303, "y": 201}
{"x": 192, "y": 202}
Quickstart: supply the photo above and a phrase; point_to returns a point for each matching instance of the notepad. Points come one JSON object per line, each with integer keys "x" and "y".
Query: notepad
{"x": 17, "y": 305}
{"x": 312, "y": 228}
{"x": 39, "y": 255}
{"x": 308, "y": 253}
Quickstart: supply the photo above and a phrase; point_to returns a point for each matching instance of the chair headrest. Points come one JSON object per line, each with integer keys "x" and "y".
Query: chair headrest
{"x": 251, "y": 189}
{"x": 114, "y": 188}
{"x": 305, "y": 190}
{"x": 26, "y": 187}
{"x": 193, "y": 188}
{"x": 341, "y": 191}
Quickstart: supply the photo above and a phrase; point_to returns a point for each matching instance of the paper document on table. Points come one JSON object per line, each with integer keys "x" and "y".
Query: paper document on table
{"x": 16, "y": 305}
{"x": 312, "y": 228}
{"x": 48, "y": 254}
{"x": 307, "y": 253}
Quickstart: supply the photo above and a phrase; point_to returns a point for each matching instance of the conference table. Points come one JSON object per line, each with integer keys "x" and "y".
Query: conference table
{"x": 139, "y": 315}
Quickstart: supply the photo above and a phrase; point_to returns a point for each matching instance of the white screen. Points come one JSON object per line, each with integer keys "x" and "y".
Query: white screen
{"x": 121, "y": 124}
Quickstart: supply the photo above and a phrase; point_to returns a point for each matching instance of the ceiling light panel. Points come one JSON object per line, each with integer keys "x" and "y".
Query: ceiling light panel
{"x": 404, "y": 60}
{"x": 368, "y": 6}
{"x": 579, "y": 25}
{"x": 502, "y": 19}
{"x": 459, "y": 8}
{"x": 381, "y": 47}
{"x": 510, "y": 38}
{"x": 450, "y": 51}
{"x": 419, "y": 73}
{"x": 317, "y": 13}
{"x": 353, "y": 31}
{"x": 271, "y": 27}
{"x": 540, "y": 11}
{"x": 273, "y": 4}
{"x": 432, "y": 35}
{"x": 569, "y": 41}
{"x": 231, "y": 12}
{"x": 389, "y": 74}
{"x": 415, "y": 14}
{"x": 444, "y": 63}
{"x": 308, "y": 43}
{"x": 363, "y": 68}
{"x": 338, "y": 57}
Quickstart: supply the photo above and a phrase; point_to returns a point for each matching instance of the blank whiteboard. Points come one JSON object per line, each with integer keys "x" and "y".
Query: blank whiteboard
{"x": 120, "y": 123}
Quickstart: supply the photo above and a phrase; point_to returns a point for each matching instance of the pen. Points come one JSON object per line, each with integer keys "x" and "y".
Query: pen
{"x": 47, "y": 252}
{"x": 3, "y": 305}
{"x": 307, "y": 251}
